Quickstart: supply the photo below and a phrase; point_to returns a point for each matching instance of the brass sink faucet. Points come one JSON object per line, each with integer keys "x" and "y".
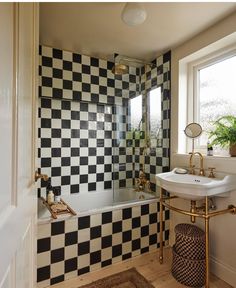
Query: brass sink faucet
{"x": 192, "y": 171}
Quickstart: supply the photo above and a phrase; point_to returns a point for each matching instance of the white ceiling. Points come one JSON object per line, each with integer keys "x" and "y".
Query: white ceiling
{"x": 96, "y": 29}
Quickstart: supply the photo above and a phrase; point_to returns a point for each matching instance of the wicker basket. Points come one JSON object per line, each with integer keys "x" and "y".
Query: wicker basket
{"x": 191, "y": 273}
{"x": 190, "y": 241}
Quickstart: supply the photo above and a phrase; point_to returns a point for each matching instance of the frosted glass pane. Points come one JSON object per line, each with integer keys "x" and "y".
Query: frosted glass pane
{"x": 155, "y": 112}
{"x": 136, "y": 112}
{"x": 217, "y": 91}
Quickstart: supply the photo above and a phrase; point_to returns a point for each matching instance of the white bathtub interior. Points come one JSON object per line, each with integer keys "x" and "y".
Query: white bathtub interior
{"x": 85, "y": 202}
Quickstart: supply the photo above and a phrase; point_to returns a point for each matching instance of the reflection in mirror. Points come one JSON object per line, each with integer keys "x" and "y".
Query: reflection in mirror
{"x": 193, "y": 130}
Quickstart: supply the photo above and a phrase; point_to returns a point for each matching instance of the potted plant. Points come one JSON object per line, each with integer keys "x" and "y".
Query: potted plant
{"x": 224, "y": 133}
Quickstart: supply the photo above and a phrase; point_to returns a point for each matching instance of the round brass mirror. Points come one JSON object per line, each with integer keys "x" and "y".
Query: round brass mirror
{"x": 193, "y": 130}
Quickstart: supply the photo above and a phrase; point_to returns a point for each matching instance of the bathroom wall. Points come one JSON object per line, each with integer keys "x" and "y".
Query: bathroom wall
{"x": 83, "y": 244}
{"x": 222, "y": 228}
{"x": 157, "y": 155}
{"x": 77, "y": 120}
{"x": 157, "y": 159}
{"x": 83, "y": 121}
{"x": 76, "y": 144}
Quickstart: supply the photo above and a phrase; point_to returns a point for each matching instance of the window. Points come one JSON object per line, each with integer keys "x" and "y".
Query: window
{"x": 207, "y": 88}
{"x": 154, "y": 104}
{"x": 216, "y": 93}
{"x": 136, "y": 112}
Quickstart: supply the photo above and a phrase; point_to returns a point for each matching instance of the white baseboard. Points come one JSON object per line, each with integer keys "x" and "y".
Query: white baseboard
{"x": 223, "y": 271}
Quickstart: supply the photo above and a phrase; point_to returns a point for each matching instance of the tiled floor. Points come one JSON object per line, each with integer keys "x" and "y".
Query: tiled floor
{"x": 147, "y": 265}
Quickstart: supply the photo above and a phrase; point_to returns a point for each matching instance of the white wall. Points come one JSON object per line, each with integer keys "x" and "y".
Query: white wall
{"x": 222, "y": 228}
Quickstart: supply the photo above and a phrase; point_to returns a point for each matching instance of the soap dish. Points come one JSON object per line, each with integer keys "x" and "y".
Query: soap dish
{"x": 181, "y": 171}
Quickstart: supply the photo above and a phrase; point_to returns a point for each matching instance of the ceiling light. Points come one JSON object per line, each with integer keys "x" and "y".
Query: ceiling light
{"x": 133, "y": 14}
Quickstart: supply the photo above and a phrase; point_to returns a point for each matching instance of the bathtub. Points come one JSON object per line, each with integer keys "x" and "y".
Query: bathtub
{"x": 102, "y": 233}
{"x": 91, "y": 202}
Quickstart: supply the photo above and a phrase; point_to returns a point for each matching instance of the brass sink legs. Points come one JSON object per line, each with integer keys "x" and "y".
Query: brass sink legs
{"x": 161, "y": 228}
{"x": 193, "y": 210}
{"x": 207, "y": 243}
{"x": 193, "y": 213}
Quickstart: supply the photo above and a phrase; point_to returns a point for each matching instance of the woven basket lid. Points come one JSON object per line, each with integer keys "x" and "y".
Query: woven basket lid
{"x": 189, "y": 230}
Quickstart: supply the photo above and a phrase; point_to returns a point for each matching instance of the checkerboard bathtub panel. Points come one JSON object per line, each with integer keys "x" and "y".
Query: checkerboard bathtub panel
{"x": 83, "y": 244}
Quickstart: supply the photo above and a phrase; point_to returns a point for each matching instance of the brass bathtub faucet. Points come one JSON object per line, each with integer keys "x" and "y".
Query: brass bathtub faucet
{"x": 142, "y": 182}
{"x": 192, "y": 171}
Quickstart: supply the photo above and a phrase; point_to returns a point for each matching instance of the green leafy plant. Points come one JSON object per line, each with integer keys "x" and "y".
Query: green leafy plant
{"x": 224, "y": 132}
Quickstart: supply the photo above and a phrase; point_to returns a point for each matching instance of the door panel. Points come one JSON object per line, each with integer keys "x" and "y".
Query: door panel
{"x": 18, "y": 56}
{"x": 6, "y": 282}
{"x": 6, "y": 102}
{"x": 23, "y": 261}
{"x": 25, "y": 99}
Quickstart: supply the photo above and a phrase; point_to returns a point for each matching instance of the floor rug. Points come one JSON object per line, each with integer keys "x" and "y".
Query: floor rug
{"x": 126, "y": 279}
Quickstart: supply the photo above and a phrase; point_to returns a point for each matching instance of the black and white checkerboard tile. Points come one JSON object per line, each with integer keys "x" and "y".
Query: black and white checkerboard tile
{"x": 157, "y": 160}
{"x": 83, "y": 244}
{"x": 129, "y": 155}
{"x": 76, "y": 144}
{"x": 72, "y": 76}
{"x": 75, "y": 136}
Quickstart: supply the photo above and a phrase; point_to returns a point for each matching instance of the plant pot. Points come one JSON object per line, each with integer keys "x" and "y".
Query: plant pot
{"x": 232, "y": 150}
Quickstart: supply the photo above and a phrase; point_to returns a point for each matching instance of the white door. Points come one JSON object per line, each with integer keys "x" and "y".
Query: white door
{"x": 18, "y": 90}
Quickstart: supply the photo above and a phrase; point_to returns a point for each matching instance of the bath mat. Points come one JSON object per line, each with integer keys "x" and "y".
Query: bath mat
{"x": 126, "y": 279}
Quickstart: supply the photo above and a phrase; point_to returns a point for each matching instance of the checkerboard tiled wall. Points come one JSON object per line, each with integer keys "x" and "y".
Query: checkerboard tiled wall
{"x": 72, "y": 76}
{"x": 83, "y": 244}
{"x": 76, "y": 144}
{"x": 80, "y": 139}
{"x": 158, "y": 155}
{"x": 129, "y": 155}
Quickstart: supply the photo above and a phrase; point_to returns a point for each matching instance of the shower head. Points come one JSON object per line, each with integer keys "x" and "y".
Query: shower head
{"x": 120, "y": 69}
{"x": 122, "y": 63}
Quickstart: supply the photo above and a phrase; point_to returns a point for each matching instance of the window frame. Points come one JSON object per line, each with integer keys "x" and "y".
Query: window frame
{"x": 147, "y": 116}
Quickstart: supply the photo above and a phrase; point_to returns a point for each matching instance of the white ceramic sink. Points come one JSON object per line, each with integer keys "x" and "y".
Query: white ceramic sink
{"x": 196, "y": 187}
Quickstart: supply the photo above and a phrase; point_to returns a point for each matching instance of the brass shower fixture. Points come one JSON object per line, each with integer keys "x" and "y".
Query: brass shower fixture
{"x": 120, "y": 69}
{"x": 121, "y": 66}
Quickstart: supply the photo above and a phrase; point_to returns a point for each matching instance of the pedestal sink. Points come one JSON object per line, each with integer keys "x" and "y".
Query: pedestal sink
{"x": 194, "y": 187}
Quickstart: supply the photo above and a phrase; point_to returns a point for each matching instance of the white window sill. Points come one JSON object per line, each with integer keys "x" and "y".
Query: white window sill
{"x": 224, "y": 164}
{"x": 221, "y": 157}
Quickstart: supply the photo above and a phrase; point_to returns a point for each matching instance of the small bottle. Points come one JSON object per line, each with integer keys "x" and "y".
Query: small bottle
{"x": 48, "y": 188}
{"x": 57, "y": 193}
{"x": 209, "y": 149}
{"x": 50, "y": 197}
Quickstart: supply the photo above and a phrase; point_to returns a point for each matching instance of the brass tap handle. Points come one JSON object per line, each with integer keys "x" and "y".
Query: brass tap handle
{"x": 148, "y": 186}
{"x": 201, "y": 172}
{"x": 37, "y": 176}
{"x": 192, "y": 170}
{"x": 211, "y": 174}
